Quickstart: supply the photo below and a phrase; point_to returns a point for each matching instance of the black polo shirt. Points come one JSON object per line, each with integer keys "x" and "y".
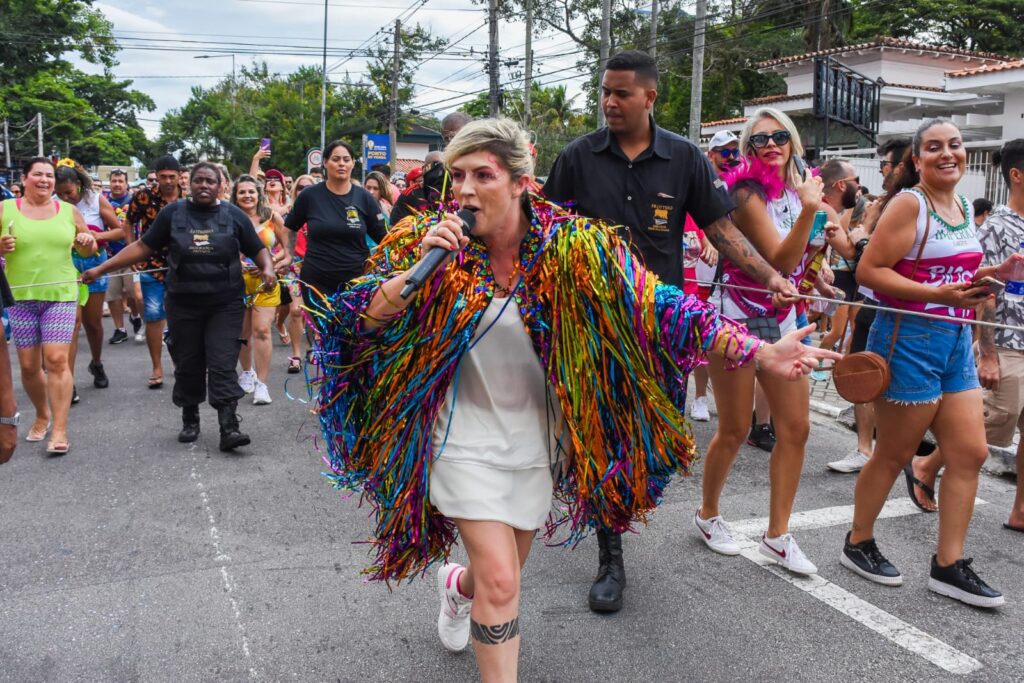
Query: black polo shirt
{"x": 649, "y": 196}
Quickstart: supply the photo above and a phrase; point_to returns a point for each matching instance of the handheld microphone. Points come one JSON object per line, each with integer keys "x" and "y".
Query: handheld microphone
{"x": 422, "y": 271}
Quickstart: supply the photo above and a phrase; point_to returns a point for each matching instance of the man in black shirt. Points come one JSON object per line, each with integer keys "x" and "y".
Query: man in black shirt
{"x": 646, "y": 179}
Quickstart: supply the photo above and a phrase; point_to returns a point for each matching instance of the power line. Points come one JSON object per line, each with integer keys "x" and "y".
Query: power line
{"x": 432, "y": 107}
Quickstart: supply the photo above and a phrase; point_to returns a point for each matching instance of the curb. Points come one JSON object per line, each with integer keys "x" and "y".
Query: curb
{"x": 826, "y": 409}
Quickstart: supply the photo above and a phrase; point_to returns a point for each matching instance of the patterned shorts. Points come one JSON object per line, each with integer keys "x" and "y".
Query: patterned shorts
{"x": 42, "y": 322}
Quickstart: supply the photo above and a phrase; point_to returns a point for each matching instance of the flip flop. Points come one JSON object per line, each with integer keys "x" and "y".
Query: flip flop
{"x": 1007, "y": 525}
{"x": 912, "y": 481}
{"x": 55, "y": 448}
{"x": 156, "y": 382}
{"x": 37, "y": 437}
{"x": 282, "y": 333}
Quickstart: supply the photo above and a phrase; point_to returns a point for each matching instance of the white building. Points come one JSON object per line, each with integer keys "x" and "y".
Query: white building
{"x": 983, "y": 93}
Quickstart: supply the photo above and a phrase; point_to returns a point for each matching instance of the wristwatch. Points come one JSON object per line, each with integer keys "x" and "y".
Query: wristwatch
{"x": 12, "y": 420}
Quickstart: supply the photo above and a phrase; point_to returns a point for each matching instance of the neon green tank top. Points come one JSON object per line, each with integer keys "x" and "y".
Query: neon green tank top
{"x": 42, "y": 254}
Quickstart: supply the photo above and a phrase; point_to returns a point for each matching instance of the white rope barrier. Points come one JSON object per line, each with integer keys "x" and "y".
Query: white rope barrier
{"x": 861, "y": 304}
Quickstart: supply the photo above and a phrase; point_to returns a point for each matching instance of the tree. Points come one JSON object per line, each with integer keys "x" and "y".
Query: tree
{"x": 87, "y": 116}
{"x": 985, "y": 25}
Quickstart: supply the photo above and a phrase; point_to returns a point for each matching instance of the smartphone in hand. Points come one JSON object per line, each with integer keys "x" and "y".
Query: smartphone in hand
{"x": 995, "y": 287}
{"x": 265, "y": 144}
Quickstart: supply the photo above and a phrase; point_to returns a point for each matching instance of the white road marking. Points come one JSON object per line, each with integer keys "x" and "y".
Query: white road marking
{"x": 224, "y": 559}
{"x": 890, "y": 627}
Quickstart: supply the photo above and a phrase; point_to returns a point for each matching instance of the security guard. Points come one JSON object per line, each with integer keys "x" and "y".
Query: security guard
{"x": 204, "y": 301}
{"x": 646, "y": 179}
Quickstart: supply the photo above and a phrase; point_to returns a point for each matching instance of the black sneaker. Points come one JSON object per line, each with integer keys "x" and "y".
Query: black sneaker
{"x": 136, "y": 322}
{"x": 866, "y": 560}
{"x": 99, "y": 376}
{"x": 958, "y": 581}
{"x": 119, "y": 337}
{"x": 762, "y": 436}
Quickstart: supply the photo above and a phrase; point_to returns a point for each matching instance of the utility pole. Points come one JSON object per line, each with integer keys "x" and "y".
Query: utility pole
{"x": 39, "y": 131}
{"x": 697, "y": 79}
{"x": 528, "y": 79}
{"x": 494, "y": 107}
{"x": 7, "y": 146}
{"x": 606, "y": 39}
{"x": 653, "y": 50}
{"x": 393, "y": 109}
{"x": 323, "y": 90}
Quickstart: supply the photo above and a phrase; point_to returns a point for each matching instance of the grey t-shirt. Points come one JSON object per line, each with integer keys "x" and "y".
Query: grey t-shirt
{"x": 1000, "y": 236}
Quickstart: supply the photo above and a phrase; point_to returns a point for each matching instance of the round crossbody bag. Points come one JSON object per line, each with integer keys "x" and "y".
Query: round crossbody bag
{"x": 864, "y": 376}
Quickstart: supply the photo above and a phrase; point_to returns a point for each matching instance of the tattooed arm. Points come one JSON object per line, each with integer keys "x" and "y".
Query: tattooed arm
{"x": 988, "y": 360}
{"x": 733, "y": 245}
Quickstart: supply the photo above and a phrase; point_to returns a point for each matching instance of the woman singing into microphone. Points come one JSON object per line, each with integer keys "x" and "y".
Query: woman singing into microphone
{"x": 543, "y": 359}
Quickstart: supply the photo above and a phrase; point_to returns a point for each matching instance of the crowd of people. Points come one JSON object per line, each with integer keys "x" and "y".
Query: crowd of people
{"x": 549, "y": 357}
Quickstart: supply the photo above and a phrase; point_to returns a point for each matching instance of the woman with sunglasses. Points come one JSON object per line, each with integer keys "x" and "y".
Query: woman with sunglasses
{"x": 776, "y": 209}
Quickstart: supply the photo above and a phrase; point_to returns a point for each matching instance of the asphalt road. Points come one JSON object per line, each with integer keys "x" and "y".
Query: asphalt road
{"x": 136, "y": 558}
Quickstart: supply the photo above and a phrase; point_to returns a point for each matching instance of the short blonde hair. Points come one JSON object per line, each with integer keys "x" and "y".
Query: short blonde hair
{"x": 795, "y": 146}
{"x": 504, "y": 138}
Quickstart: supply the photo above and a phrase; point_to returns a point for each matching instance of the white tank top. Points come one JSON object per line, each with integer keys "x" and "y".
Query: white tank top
{"x": 951, "y": 255}
{"x": 89, "y": 207}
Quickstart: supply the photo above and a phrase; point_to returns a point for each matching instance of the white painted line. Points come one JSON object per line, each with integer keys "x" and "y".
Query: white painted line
{"x": 890, "y": 627}
{"x": 826, "y": 517}
{"x": 224, "y": 559}
{"x": 878, "y": 620}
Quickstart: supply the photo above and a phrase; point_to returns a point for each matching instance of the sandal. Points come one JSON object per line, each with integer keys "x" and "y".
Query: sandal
{"x": 155, "y": 382}
{"x": 58, "y": 448}
{"x": 912, "y": 482}
{"x": 282, "y": 333}
{"x": 1007, "y": 525}
{"x": 294, "y": 365}
{"x": 34, "y": 437}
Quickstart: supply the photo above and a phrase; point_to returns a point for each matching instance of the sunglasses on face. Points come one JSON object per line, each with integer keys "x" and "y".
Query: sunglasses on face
{"x": 726, "y": 153}
{"x": 779, "y": 137}
{"x": 851, "y": 179}
{"x": 883, "y": 163}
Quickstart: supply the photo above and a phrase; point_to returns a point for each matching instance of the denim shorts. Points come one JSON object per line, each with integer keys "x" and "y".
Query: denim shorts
{"x": 152, "y": 298}
{"x": 84, "y": 263}
{"x": 931, "y": 358}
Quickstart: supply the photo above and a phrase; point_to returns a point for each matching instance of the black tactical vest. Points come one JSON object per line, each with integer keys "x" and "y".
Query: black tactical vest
{"x": 203, "y": 253}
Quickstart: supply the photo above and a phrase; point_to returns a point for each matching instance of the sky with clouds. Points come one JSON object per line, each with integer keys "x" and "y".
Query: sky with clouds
{"x": 163, "y": 44}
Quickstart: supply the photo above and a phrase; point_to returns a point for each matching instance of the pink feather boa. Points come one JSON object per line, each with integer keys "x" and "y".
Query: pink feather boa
{"x": 752, "y": 170}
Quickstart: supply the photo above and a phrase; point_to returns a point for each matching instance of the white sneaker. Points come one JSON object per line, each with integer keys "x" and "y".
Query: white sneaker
{"x": 247, "y": 380}
{"x": 699, "y": 409}
{"x": 787, "y": 553}
{"x": 260, "y": 395}
{"x": 850, "y": 464}
{"x": 140, "y": 337}
{"x": 453, "y": 621}
{"x": 716, "y": 534}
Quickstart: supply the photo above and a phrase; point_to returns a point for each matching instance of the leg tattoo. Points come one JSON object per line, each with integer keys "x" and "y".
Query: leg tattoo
{"x": 494, "y": 635}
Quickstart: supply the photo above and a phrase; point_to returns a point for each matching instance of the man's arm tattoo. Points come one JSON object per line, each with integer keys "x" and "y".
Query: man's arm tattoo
{"x": 733, "y": 245}
{"x": 987, "y": 335}
{"x": 494, "y": 635}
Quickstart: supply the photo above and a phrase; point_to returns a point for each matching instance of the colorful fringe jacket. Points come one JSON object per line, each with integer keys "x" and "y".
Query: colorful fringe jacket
{"x": 615, "y": 344}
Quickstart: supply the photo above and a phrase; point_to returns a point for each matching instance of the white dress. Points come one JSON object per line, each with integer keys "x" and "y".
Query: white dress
{"x": 496, "y": 438}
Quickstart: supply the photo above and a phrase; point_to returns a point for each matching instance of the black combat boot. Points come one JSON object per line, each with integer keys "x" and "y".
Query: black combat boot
{"x": 230, "y": 437}
{"x": 189, "y": 424}
{"x": 606, "y": 593}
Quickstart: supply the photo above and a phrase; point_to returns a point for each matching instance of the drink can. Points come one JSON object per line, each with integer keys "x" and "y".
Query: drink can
{"x": 818, "y": 229}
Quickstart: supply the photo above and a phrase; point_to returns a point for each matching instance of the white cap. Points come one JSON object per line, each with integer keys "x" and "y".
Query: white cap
{"x": 722, "y": 138}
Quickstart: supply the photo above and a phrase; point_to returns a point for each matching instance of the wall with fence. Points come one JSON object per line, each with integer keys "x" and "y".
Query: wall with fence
{"x": 981, "y": 178}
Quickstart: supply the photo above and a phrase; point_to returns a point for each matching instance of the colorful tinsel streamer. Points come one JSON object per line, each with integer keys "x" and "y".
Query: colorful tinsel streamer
{"x": 615, "y": 343}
